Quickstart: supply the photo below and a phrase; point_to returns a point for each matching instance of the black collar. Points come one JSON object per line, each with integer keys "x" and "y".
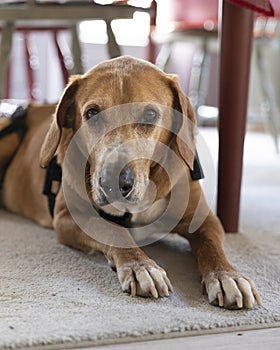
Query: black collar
{"x": 123, "y": 220}
{"x": 52, "y": 184}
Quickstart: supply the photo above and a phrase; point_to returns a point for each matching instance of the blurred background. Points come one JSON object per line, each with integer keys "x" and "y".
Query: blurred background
{"x": 184, "y": 42}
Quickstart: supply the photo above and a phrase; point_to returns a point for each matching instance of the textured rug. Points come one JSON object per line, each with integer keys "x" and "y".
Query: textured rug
{"x": 53, "y": 295}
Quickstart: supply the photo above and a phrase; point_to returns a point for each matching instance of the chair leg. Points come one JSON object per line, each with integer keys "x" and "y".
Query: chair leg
{"x": 113, "y": 47}
{"x": 76, "y": 51}
{"x": 272, "y": 110}
{"x": 204, "y": 74}
{"x": 64, "y": 70}
{"x": 236, "y": 44}
{"x": 199, "y": 77}
{"x": 29, "y": 69}
{"x": 8, "y": 87}
{"x": 163, "y": 56}
{"x": 5, "y": 51}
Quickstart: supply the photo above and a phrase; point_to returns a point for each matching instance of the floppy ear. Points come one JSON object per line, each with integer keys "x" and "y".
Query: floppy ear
{"x": 64, "y": 117}
{"x": 185, "y": 138}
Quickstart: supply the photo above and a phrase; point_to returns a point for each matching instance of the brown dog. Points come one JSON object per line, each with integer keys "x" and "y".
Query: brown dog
{"x": 137, "y": 126}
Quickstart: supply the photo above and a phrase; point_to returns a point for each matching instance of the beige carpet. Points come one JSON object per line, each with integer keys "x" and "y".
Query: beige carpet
{"x": 52, "y": 295}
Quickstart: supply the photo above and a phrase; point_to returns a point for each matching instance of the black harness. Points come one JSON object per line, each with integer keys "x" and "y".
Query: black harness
{"x": 18, "y": 126}
{"x": 197, "y": 172}
{"x": 123, "y": 220}
{"x": 53, "y": 174}
{"x": 53, "y": 181}
{"x": 53, "y": 171}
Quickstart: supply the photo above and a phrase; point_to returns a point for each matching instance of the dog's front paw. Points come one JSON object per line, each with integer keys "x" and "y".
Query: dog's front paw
{"x": 231, "y": 290}
{"x": 144, "y": 278}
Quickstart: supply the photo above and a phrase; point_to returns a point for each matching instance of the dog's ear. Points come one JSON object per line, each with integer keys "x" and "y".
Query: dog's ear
{"x": 186, "y": 126}
{"x": 64, "y": 117}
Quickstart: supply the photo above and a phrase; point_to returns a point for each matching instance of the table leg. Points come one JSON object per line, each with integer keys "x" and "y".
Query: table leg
{"x": 236, "y": 44}
{"x": 151, "y": 49}
{"x": 76, "y": 50}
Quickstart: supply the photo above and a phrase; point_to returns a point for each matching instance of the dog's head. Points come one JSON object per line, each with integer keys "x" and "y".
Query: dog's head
{"x": 127, "y": 108}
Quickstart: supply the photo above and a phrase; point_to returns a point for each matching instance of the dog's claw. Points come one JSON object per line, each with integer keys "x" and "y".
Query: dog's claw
{"x": 257, "y": 297}
{"x": 220, "y": 299}
{"x": 154, "y": 292}
{"x": 254, "y": 291}
{"x": 239, "y": 303}
{"x": 169, "y": 285}
{"x": 133, "y": 288}
{"x": 231, "y": 290}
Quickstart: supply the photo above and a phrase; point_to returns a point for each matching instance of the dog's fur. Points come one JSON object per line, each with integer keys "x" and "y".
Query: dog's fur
{"x": 110, "y": 84}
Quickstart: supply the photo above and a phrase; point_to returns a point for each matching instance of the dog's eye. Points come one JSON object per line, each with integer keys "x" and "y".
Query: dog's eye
{"x": 93, "y": 114}
{"x": 150, "y": 116}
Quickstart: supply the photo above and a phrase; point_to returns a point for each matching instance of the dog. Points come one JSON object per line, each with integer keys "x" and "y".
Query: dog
{"x": 137, "y": 126}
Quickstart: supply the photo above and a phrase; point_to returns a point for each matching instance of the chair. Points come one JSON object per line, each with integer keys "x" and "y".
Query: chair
{"x": 56, "y": 15}
{"x": 236, "y": 45}
{"x": 266, "y": 34}
{"x": 189, "y": 20}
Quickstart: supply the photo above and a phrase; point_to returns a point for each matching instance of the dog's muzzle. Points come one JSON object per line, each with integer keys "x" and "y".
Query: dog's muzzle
{"x": 116, "y": 185}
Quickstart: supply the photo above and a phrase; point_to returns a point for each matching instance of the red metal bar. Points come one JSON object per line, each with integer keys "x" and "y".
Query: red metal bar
{"x": 236, "y": 44}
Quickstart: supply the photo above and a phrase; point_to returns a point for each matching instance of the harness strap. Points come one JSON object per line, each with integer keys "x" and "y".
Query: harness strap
{"x": 52, "y": 183}
{"x": 123, "y": 220}
{"x": 197, "y": 172}
{"x": 18, "y": 126}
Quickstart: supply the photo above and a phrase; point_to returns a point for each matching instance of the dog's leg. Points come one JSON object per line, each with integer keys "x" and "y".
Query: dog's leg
{"x": 137, "y": 273}
{"x": 225, "y": 286}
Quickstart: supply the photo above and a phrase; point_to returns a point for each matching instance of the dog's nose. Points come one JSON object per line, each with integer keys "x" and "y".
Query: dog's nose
{"x": 126, "y": 181}
{"x": 111, "y": 185}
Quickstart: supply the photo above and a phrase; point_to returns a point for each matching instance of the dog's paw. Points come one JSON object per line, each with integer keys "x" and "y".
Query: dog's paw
{"x": 231, "y": 290}
{"x": 144, "y": 278}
